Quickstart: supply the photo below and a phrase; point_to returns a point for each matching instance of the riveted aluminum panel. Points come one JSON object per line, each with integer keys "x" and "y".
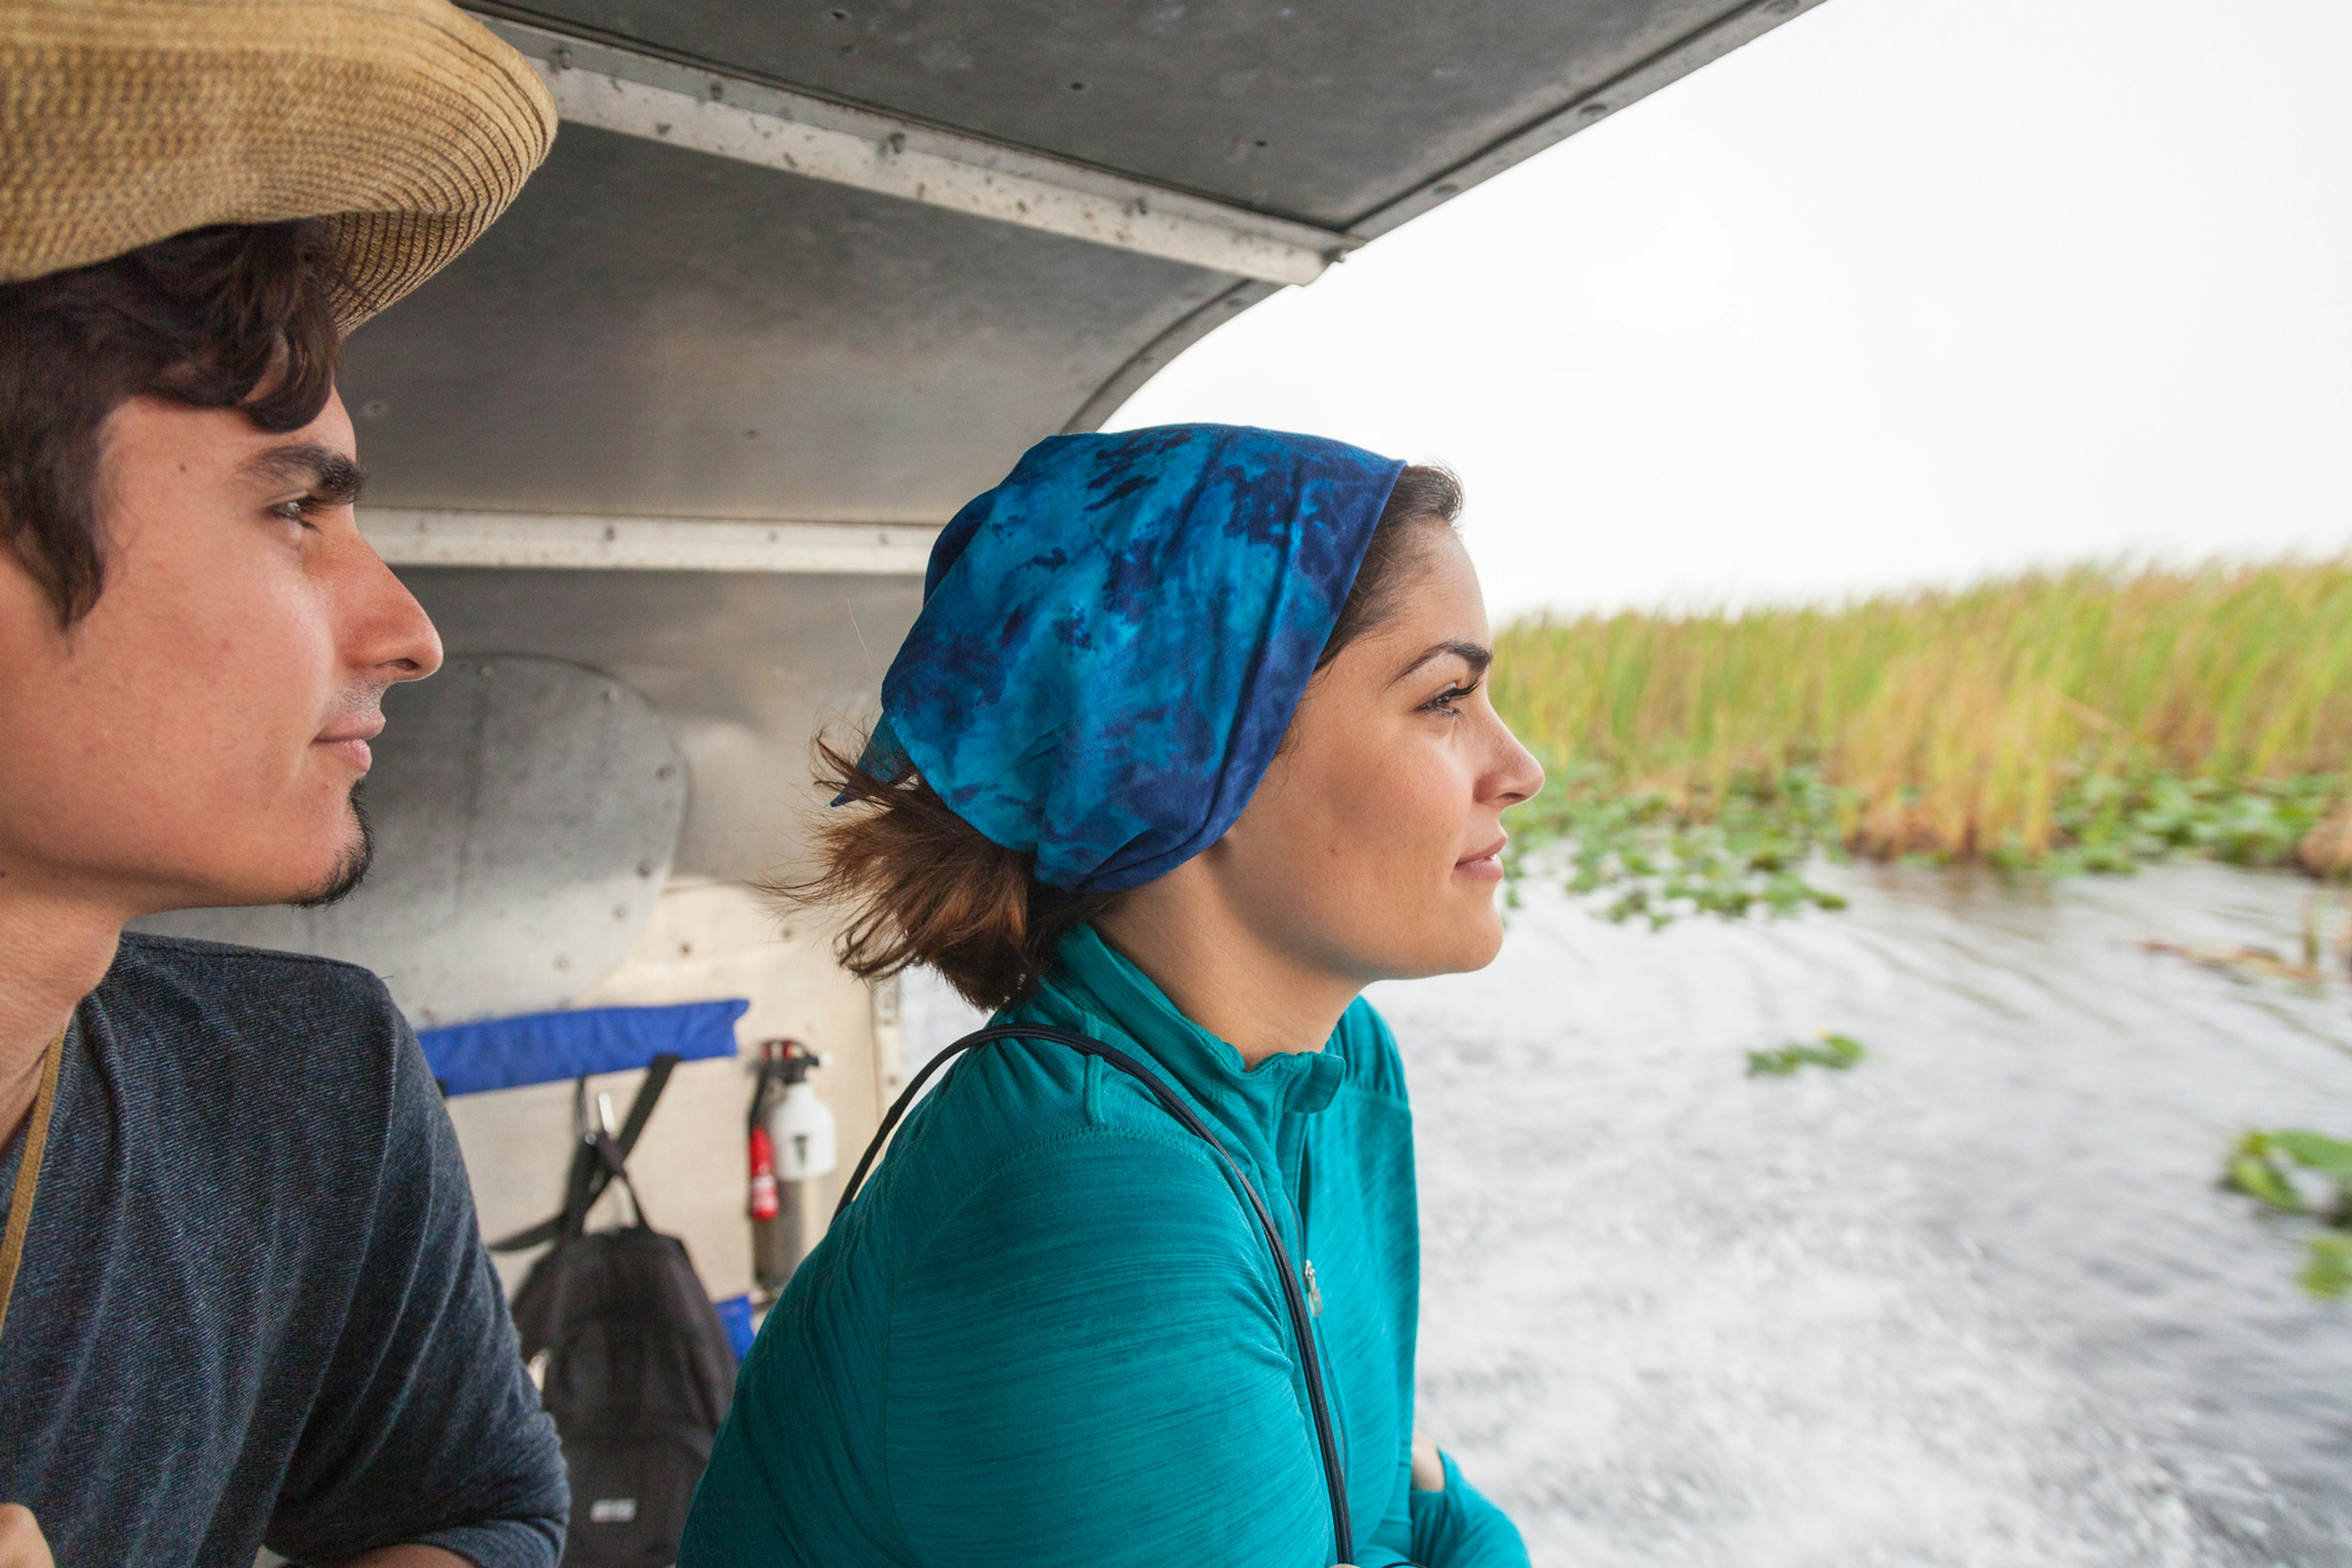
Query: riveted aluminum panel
{"x": 1314, "y": 110}
{"x": 655, "y": 332}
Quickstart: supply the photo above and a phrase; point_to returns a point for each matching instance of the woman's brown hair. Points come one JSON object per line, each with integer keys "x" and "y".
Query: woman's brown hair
{"x": 919, "y": 885}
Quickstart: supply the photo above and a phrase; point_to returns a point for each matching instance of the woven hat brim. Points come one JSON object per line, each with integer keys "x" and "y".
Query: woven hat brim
{"x": 405, "y": 125}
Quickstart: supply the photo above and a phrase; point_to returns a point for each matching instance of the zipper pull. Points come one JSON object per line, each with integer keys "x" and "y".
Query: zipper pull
{"x": 1314, "y": 1292}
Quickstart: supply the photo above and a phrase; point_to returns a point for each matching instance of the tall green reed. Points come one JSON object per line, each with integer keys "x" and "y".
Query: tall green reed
{"x": 2019, "y": 720}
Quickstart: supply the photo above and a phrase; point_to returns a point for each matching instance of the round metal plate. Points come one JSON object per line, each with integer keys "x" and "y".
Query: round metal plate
{"x": 526, "y": 810}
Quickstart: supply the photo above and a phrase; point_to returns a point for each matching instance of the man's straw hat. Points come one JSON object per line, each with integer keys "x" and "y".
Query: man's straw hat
{"x": 405, "y": 124}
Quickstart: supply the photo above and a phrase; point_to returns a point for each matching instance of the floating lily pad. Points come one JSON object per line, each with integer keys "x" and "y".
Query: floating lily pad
{"x": 1836, "y": 1052}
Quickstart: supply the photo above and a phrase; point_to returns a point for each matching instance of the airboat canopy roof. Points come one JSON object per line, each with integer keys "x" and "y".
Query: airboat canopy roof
{"x": 803, "y": 266}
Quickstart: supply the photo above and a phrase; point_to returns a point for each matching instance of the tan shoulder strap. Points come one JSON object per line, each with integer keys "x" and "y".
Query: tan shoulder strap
{"x": 28, "y": 1173}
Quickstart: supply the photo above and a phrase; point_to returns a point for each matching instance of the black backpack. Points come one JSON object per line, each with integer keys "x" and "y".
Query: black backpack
{"x": 630, "y": 1356}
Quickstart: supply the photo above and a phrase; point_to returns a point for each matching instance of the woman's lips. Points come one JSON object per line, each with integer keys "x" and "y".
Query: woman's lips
{"x": 1488, "y": 864}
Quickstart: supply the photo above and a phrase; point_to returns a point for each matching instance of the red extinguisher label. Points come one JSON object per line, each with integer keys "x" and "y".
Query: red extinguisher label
{"x": 763, "y": 1174}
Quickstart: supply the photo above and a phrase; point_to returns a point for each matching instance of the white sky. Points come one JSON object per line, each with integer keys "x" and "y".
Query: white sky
{"x": 1908, "y": 290}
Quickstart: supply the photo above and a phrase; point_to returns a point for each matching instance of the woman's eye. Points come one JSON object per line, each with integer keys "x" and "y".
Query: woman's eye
{"x": 1443, "y": 702}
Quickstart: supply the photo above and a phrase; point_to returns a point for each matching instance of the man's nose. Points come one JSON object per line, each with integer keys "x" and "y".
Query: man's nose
{"x": 389, "y": 634}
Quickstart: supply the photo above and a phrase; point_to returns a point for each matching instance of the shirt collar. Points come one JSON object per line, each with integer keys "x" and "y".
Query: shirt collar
{"x": 1096, "y": 980}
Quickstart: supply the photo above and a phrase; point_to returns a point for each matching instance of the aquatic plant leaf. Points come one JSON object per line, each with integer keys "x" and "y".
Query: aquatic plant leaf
{"x": 1836, "y": 1052}
{"x": 2257, "y": 1177}
{"x": 1738, "y": 850}
{"x": 2328, "y": 1274}
{"x": 2315, "y": 1152}
{"x": 1844, "y": 1049}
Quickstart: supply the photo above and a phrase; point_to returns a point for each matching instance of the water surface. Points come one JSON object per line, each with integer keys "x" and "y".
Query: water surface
{"x": 1978, "y": 1301}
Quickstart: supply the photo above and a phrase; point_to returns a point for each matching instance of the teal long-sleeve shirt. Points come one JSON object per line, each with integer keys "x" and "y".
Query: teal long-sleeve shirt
{"x": 1049, "y": 1332}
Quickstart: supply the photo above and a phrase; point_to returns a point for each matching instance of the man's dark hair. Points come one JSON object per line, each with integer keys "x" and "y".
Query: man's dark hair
{"x": 231, "y": 317}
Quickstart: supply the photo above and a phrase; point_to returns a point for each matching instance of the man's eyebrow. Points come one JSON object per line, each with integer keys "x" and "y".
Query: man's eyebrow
{"x": 332, "y": 477}
{"x": 1477, "y": 655}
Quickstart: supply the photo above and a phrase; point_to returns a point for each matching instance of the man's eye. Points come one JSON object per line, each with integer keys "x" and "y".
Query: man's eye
{"x": 295, "y": 511}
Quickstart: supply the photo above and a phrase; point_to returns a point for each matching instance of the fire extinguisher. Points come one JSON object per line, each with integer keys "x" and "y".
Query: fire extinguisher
{"x": 794, "y": 1147}
{"x": 763, "y": 1171}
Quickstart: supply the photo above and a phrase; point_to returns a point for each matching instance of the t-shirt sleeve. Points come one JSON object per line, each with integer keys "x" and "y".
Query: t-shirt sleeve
{"x": 1090, "y": 1364}
{"x": 1459, "y": 1528}
{"x": 427, "y": 1429}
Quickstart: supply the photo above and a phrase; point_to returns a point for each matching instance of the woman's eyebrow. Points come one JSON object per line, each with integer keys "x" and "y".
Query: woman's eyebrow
{"x": 330, "y": 475}
{"x": 1477, "y": 655}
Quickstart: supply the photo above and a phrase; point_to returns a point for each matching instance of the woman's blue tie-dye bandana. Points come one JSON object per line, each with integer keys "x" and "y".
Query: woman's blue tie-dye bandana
{"x": 1113, "y": 640}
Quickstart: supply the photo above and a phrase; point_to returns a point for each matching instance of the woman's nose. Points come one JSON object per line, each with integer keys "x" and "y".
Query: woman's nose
{"x": 1516, "y": 776}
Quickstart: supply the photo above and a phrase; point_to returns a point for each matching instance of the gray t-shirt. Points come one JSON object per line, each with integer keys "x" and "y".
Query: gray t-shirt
{"x": 253, "y": 1305}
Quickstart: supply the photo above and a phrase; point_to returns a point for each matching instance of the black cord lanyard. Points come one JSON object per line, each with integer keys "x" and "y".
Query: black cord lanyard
{"x": 1310, "y": 1364}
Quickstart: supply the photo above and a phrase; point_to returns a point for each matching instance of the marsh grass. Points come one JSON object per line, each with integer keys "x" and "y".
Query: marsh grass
{"x": 2082, "y": 719}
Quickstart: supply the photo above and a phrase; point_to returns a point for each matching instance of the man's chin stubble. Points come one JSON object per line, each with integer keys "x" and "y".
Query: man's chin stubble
{"x": 353, "y": 868}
